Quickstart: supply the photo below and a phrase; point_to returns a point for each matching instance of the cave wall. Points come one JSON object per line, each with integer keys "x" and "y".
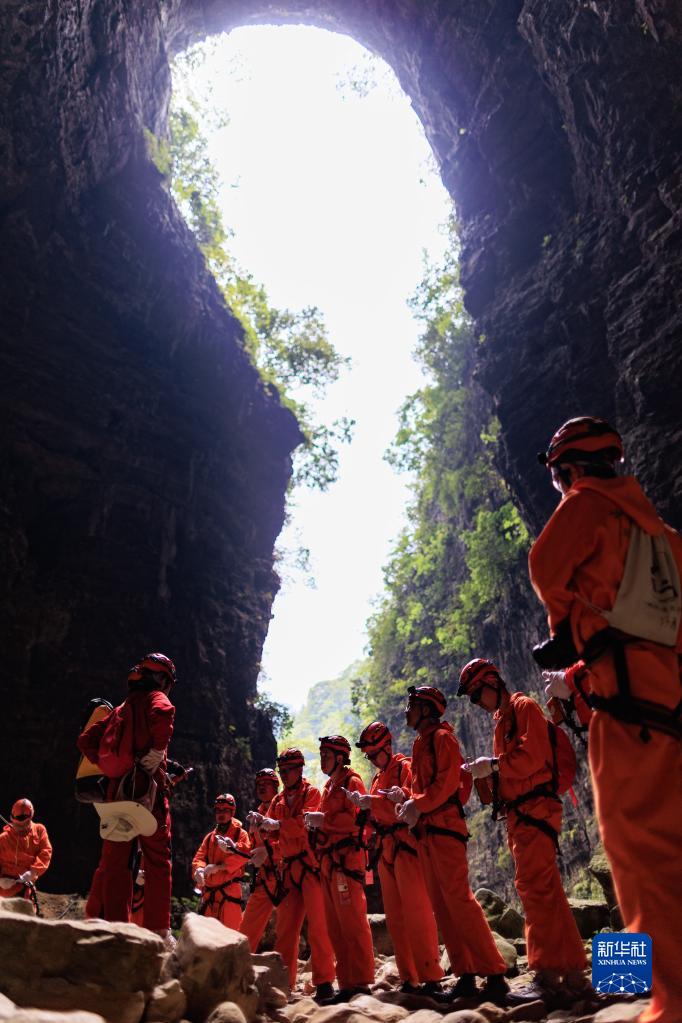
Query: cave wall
{"x": 143, "y": 464}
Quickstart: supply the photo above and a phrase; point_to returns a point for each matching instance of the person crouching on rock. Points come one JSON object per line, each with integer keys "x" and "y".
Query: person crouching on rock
{"x": 409, "y": 916}
{"x": 436, "y": 816}
{"x": 25, "y": 852}
{"x": 219, "y": 863}
{"x": 343, "y": 862}
{"x": 265, "y": 856}
{"x": 523, "y": 763}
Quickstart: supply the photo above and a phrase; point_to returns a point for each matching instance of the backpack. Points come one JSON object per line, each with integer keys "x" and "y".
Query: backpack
{"x": 565, "y": 763}
{"x": 648, "y": 603}
{"x": 460, "y": 797}
{"x": 90, "y": 786}
{"x": 116, "y": 754}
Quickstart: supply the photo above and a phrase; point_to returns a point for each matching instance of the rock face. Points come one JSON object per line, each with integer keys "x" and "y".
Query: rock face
{"x": 143, "y": 464}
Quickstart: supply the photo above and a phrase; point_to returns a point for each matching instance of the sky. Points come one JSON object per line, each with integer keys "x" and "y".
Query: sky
{"x": 332, "y": 196}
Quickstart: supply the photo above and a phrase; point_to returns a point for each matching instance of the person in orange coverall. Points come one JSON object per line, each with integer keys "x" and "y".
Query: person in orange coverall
{"x": 409, "y": 916}
{"x": 343, "y": 862}
{"x": 265, "y": 857}
{"x": 300, "y": 875}
{"x": 219, "y": 863}
{"x": 524, "y": 762}
{"x": 435, "y": 813}
{"x": 576, "y": 567}
{"x": 25, "y": 852}
{"x": 149, "y": 684}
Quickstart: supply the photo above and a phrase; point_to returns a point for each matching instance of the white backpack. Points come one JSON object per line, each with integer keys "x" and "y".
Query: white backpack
{"x": 648, "y": 604}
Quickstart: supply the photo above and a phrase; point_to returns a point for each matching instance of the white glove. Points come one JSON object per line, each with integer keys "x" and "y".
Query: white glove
{"x": 408, "y": 812}
{"x": 313, "y": 820}
{"x": 28, "y": 877}
{"x": 361, "y": 800}
{"x": 259, "y": 856}
{"x": 269, "y": 824}
{"x": 557, "y": 685}
{"x": 150, "y": 761}
{"x": 210, "y": 869}
{"x": 7, "y": 882}
{"x": 254, "y": 819}
{"x": 395, "y": 794}
{"x": 199, "y": 878}
{"x": 225, "y": 842}
{"x": 482, "y": 767}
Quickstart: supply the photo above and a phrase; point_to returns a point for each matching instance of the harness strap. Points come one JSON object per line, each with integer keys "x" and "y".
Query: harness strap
{"x": 543, "y": 826}
{"x": 211, "y": 896}
{"x": 339, "y": 863}
{"x": 432, "y": 829}
{"x": 306, "y": 868}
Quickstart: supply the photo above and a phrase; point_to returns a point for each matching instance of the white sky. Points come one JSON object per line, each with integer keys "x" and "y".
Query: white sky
{"x": 336, "y": 199}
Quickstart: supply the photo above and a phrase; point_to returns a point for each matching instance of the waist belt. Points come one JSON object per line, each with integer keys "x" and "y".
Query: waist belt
{"x": 306, "y": 868}
{"x": 338, "y": 863}
{"x": 433, "y": 829}
{"x": 544, "y": 791}
{"x": 212, "y": 895}
{"x": 631, "y": 710}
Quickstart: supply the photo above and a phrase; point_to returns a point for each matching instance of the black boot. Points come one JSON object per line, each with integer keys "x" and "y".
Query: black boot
{"x": 345, "y": 994}
{"x": 495, "y": 989}
{"x": 430, "y": 988}
{"x": 464, "y": 988}
{"x": 324, "y": 992}
{"x": 409, "y": 989}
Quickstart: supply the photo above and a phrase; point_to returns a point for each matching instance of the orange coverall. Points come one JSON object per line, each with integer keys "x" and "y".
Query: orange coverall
{"x": 343, "y": 866}
{"x": 19, "y": 853}
{"x": 581, "y": 554}
{"x": 521, "y": 742}
{"x": 221, "y": 897}
{"x": 409, "y": 916}
{"x": 436, "y": 765}
{"x": 301, "y": 880}
{"x": 260, "y": 906}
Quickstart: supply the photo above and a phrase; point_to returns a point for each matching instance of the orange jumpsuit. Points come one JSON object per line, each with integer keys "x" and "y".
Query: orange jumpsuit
{"x": 409, "y": 916}
{"x": 301, "y": 881}
{"x": 262, "y": 900}
{"x": 521, "y": 743}
{"x": 343, "y": 865}
{"x": 19, "y": 853}
{"x": 436, "y": 765}
{"x": 638, "y": 793}
{"x": 221, "y": 897}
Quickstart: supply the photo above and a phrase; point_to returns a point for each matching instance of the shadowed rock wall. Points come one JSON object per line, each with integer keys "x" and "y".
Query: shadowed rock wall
{"x": 143, "y": 464}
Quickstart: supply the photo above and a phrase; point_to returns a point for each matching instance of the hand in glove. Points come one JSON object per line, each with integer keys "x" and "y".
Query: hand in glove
{"x": 150, "y": 761}
{"x": 259, "y": 856}
{"x": 395, "y": 794}
{"x": 313, "y": 820}
{"x": 225, "y": 843}
{"x": 199, "y": 878}
{"x": 269, "y": 824}
{"x": 556, "y": 684}
{"x": 254, "y": 819}
{"x": 408, "y": 812}
{"x": 7, "y": 882}
{"x": 210, "y": 869}
{"x": 482, "y": 767}
{"x": 361, "y": 800}
{"x": 28, "y": 877}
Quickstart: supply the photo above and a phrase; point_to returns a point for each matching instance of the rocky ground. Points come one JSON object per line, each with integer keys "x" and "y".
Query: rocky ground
{"x": 63, "y": 969}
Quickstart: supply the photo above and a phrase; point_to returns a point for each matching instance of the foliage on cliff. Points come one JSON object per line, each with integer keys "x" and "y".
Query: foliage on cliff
{"x": 290, "y": 348}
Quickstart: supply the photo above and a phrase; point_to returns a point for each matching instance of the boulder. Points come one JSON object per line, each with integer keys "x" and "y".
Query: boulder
{"x": 383, "y": 943}
{"x": 503, "y": 919}
{"x": 271, "y": 974}
{"x": 491, "y": 1012}
{"x": 505, "y": 948}
{"x": 227, "y": 1012}
{"x": 464, "y": 1016}
{"x": 213, "y": 965}
{"x": 110, "y": 969}
{"x": 299, "y": 1011}
{"x": 47, "y": 1016}
{"x": 343, "y": 1013}
{"x": 590, "y": 915}
{"x": 18, "y": 905}
{"x": 532, "y": 1011}
{"x": 167, "y": 1004}
{"x": 7, "y": 1007}
{"x": 622, "y": 1012}
{"x": 383, "y": 1011}
{"x": 425, "y": 1016}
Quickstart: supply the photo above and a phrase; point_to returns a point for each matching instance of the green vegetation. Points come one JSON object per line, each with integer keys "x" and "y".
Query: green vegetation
{"x": 464, "y": 546}
{"x": 290, "y": 348}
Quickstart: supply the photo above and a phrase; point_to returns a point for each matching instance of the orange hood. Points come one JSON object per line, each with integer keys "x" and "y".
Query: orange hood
{"x": 627, "y": 494}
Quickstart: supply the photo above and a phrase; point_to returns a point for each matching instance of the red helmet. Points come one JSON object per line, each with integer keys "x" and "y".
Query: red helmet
{"x": 583, "y": 437}
{"x": 291, "y": 757}
{"x": 335, "y": 742}
{"x": 157, "y": 662}
{"x": 22, "y": 810}
{"x": 267, "y": 774}
{"x": 478, "y": 672}
{"x": 374, "y": 737}
{"x": 225, "y": 799}
{"x": 428, "y": 694}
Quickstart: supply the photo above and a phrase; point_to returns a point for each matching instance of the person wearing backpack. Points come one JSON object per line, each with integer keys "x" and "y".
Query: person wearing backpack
{"x": 583, "y": 567}
{"x": 526, "y": 779}
{"x": 137, "y": 732}
{"x": 435, "y": 814}
{"x": 409, "y": 916}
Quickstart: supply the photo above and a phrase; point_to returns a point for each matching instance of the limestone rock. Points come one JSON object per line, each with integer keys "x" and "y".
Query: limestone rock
{"x": 378, "y": 1010}
{"x": 425, "y": 1016}
{"x": 531, "y": 1011}
{"x": 505, "y": 948}
{"x": 47, "y": 1016}
{"x": 300, "y": 1010}
{"x": 343, "y": 1013}
{"x": 7, "y": 1007}
{"x": 383, "y": 943}
{"x": 590, "y": 915}
{"x": 464, "y": 1016}
{"x": 502, "y": 918}
{"x": 18, "y": 905}
{"x": 622, "y": 1012}
{"x": 167, "y": 1004}
{"x": 213, "y": 964}
{"x": 493, "y": 1013}
{"x": 270, "y": 973}
{"x": 107, "y": 968}
{"x": 227, "y": 1012}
